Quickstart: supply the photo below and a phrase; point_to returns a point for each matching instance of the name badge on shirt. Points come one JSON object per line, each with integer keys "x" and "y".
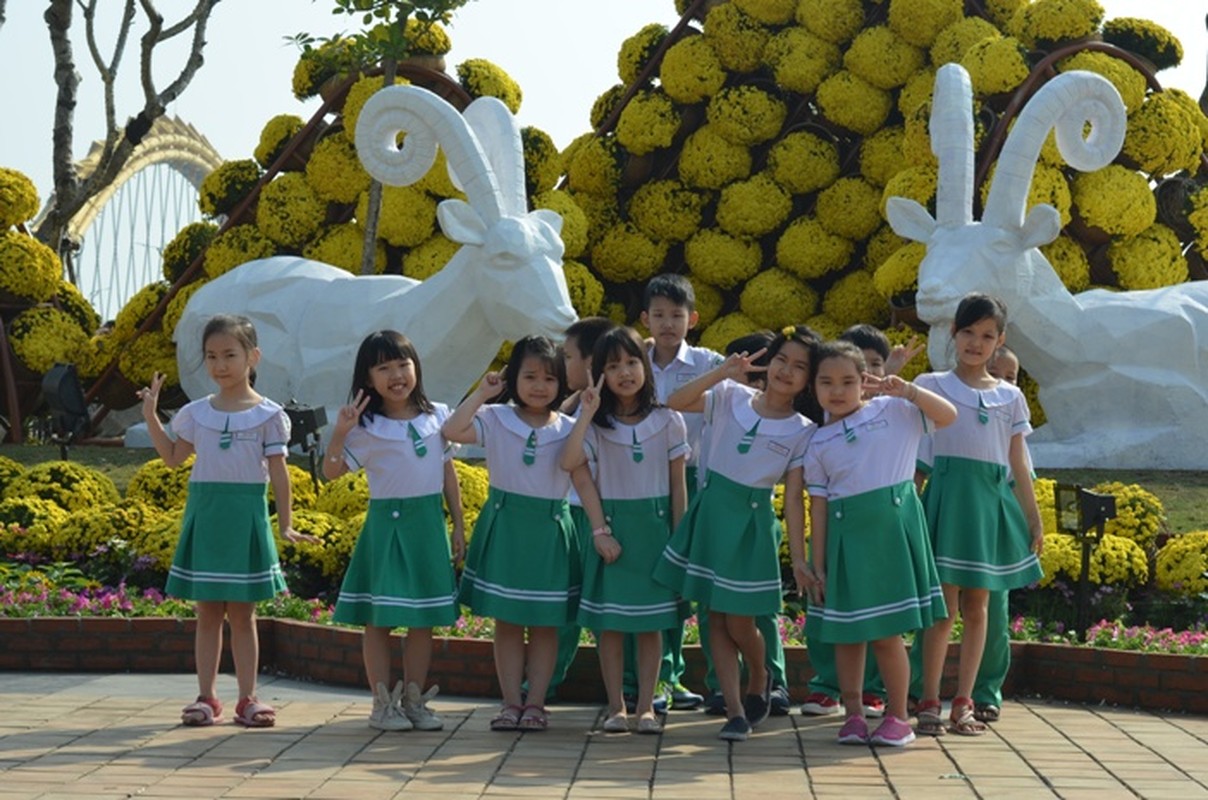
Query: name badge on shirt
{"x": 1003, "y": 414}
{"x": 246, "y": 436}
{"x": 685, "y": 377}
{"x": 778, "y": 448}
{"x": 876, "y": 425}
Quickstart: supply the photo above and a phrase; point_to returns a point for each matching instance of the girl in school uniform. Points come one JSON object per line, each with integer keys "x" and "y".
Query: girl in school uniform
{"x": 638, "y": 449}
{"x": 226, "y": 559}
{"x": 723, "y": 553}
{"x": 866, "y": 520}
{"x": 401, "y": 571}
{"x": 524, "y": 565}
{"x": 985, "y": 533}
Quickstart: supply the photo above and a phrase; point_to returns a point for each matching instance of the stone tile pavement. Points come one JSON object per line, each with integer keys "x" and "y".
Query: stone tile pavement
{"x": 90, "y": 736}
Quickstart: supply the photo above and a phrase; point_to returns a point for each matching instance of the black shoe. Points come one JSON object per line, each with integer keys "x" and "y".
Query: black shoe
{"x": 757, "y": 706}
{"x": 736, "y": 729}
{"x": 715, "y": 705}
{"x": 781, "y": 704}
{"x": 631, "y": 704}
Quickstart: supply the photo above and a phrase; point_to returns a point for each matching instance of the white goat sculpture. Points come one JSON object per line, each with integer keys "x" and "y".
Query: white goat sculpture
{"x": 1123, "y": 375}
{"x": 506, "y": 281}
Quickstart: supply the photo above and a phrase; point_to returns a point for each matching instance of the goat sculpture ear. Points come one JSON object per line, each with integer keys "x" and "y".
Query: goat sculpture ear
{"x": 460, "y": 222}
{"x": 1041, "y": 226}
{"x": 909, "y": 219}
{"x": 550, "y": 218}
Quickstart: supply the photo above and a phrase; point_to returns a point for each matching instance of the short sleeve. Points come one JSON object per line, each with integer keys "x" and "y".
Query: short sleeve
{"x": 816, "y": 479}
{"x": 354, "y": 443}
{"x": 591, "y": 445}
{"x": 797, "y": 456}
{"x": 276, "y": 435}
{"x": 485, "y": 420}
{"x": 184, "y": 426}
{"x": 715, "y": 359}
{"x": 1021, "y": 416}
{"x": 912, "y": 417}
{"x": 925, "y": 459}
{"x": 441, "y": 412}
{"x": 715, "y": 398}
{"x": 677, "y": 437}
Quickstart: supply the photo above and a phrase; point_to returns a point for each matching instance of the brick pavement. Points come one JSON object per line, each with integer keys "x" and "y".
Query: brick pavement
{"x": 88, "y": 736}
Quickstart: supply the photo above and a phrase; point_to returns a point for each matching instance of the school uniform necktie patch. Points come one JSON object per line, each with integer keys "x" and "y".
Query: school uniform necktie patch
{"x": 226, "y": 437}
{"x": 530, "y": 449}
{"x": 636, "y": 447}
{"x": 983, "y": 414}
{"x": 748, "y": 439}
{"x": 417, "y": 441}
{"x": 849, "y": 434}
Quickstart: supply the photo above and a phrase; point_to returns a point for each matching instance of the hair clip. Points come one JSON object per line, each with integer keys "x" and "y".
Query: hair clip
{"x": 788, "y": 331}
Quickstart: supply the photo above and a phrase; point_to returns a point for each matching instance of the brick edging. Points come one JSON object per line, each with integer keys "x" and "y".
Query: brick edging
{"x": 331, "y": 654}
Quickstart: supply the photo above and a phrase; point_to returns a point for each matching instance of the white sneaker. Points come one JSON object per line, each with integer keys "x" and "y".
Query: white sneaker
{"x": 387, "y": 715}
{"x": 415, "y": 706}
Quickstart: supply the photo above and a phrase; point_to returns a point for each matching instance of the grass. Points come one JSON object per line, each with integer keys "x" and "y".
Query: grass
{"x": 1184, "y": 494}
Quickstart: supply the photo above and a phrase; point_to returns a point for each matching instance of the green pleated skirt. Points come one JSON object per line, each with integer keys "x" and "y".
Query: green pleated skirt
{"x": 881, "y": 578}
{"x": 524, "y": 564}
{"x": 400, "y": 573}
{"x": 226, "y": 549}
{"x": 978, "y": 532}
{"x": 723, "y": 554}
{"x": 622, "y": 596}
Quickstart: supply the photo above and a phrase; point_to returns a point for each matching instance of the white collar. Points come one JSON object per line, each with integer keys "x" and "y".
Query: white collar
{"x": 871, "y": 410}
{"x": 398, "y": 430}
{"x": 624, "y": 434}
{"x": 1002, "y": 394}
{"x": 209, "y": 417}
{"x": 559, "y": 429}
{"x": 741, "y": 399}
{"x": 681, "y": 355}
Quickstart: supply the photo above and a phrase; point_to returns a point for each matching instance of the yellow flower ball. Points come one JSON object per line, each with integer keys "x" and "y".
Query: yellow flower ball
{"x": 1145, "y": 38}
{"x": 737, "y": 38}
{"x": 429, "y": 257}
{"x": 637, "y": 50}
{"x": 1049, "y": 186}
{"x": 826, "y": 327}
{"x": 774, "y": 299}
{"x": 342, "y": 246}
{"x": 358, "y": 94}
{"x": 666, "y": 210}
{"x": 28, "y": 268}
{"x": 804, "y": 161}
{"x": 1182, "y": 564}
{"x": 426, "y": 38}
{"x": 881, "y": 154}
{"x": 69, "y": 485}
{"x": 624, "y": 253}
{"x": 1031, "y": 393}
{"x": 1117, "y": 561}
{"x": 648, "y": 122}
{"x": 601, "y": 212}
{"x": 727, "y": 329}
{"x": 159, "y": 485}
{"x": 18, "y": 198}
{"x": 809, "y": 250}
{"x": 334, "y": 171}
{"x": 852, "y": 103}
{"x": 1115, "y": 199}
{"x": 917, "y": 91}
{"x": 914, "y": 183}
{"x": 753, "y": 207}
{"x": 722, "y": 260}
{"x": 1150, "y": 260}
{"x": 852, "y": 300}
{"x": 1162, "y": 137}
{"x": 996, "y": 66}
{"x": 919, "y": 22}
{"x": 176, "y": 306}
{"x": 43, "y": 336}
{"x": 73, "y": 302}
{"x": 601, "y": 110}
{"x": 408, "y": 215}
{"x": 1192, "y": 107}
{"x": 150, "y": 353}
{"x": 136, "y": 310}
{"x": 189, "y": 243}
{"x": 234, "y": 246}
{"x": 835, "y": 21}
{"x": 1003, "y": 11}
{"x": 769, "y": 12}
{"x": 709, "y": 161}
{"x": 691, "y": 71}
{"x": 1128, "y": 81}
{"x": 1139, "y": 513}
{"x": 1069, "y": 262}
{"x": 849, "y": 207}
{"x": 289, "y": 212}
{"x": 226, "y": 186}
{"x": 586, "y": 292}
{"x": 1061, "y": 557}
{"x": 346, "y": 496}
{"x": 542, "y": 164}
{"x": 475, "y": 484}
{"x": 799, "y": 61}
{"x": 438, "y": 183}
{"x": 481, "y": 78}
{"x": 880, "y": 246}
{"x": 709, "y": 303}
{"x": 1197, "y": 217}
{"x": 954, "y": 41}
{"x": 1045, "y": 23}
{"x": 898, "y": 275}
{"x": 745, "y": 115}
{"x": 595, "y": 167}
{"x": 881, "y": 57}
{"x": 916, "y": 138}
{"x": 275, "y": 134}
{"x": 574, "y": 220}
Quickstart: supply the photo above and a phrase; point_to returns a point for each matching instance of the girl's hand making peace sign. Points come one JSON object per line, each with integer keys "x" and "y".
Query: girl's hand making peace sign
{"x": 589, "y": 398}
{"x": 737, "y": 365}
{"x": 347, "y": 419}
{"x": 150, "y": 395}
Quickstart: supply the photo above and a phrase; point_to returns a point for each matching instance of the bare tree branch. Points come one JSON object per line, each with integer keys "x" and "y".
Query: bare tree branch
{"x": 3, "y": 3}
{"x": 58, "y": 20}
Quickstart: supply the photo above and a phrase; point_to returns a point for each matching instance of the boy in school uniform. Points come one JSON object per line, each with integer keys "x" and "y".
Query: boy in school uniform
{"x": 669, "y": 312}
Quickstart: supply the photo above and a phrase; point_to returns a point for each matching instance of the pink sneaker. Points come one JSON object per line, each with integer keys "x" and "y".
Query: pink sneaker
{"x": 854, "y": 731}
{"x": 820, "y": 705}
{"x": 893, "y": 732}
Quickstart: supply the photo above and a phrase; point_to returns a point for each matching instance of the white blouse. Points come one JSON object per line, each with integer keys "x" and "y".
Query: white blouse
{"x": 522, "y": 459}
{"x": 631, "y": 460}
{"x": 986, "y": 419}
{"x": 748, "y": 448}
{"x": 688, "y": 365}
{"x": 232, "y": 446}
{"x": 870, "y": 449}
{"x": 401, "y": 457}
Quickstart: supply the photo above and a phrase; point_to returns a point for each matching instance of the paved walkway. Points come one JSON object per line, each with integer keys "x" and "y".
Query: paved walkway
{"x": 86, "y": 736}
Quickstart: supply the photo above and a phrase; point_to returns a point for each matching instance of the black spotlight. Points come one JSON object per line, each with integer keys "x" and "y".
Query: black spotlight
{"x": 69, "y": 417}
{"x": 305, "y": 422}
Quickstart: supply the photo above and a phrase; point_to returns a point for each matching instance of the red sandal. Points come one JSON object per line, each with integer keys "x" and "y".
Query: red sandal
{"x": 534, "y": 718}
{"x": 251, "y": 713}
{"x": 202, "y": 712}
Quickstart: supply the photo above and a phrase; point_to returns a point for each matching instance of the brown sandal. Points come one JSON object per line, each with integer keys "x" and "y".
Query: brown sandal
{"x": 986, "y": 712}
{"x": 930, "y": 721}
{"x": 962, "y": 721}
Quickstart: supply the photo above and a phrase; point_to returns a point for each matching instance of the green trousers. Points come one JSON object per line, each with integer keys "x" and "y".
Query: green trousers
{"x": 996, "y": 658}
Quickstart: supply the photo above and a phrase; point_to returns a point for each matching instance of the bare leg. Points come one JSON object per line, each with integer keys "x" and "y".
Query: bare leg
{"x": 542, "y": 653}
{"x": 375, "y": 650}
{"x": 612, "y": 668}
{"x": 849, "y": 664}
{"x": 650, "y": 657}
{"x": 749, "y": 641}
{"x": 973, "y": 639}
{"x": 935, "y": 646}
{"x": 895, "y": 672}
{"x": 207, "y": 644}
{"x": 245, "y": 646}
{"x": 509, "y": 660}
{"x": 417, "y": 656}
{"x": 725, "y": 663}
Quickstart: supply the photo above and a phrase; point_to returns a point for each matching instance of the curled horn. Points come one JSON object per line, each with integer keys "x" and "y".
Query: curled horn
{"x": 952, "y": 143}
{"x": 1065, "y": 104}
{"x": 428, "y": 121}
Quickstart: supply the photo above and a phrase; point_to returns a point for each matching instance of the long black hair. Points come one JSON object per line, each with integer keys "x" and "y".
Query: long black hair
{"x": 379, "y": 347}
{"x": 613, "y": 345}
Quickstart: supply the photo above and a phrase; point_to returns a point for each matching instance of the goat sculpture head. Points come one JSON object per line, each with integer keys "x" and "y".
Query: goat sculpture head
{"x": 999, "y": 254}
{"x": 519, "y": 256}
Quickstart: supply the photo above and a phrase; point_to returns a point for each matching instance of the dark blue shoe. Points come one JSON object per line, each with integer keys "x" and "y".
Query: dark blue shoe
{"x": 684, "y": 699}
{"x": 757, "y": 706}
{"x": 781, "y": 703}
{"x": 662, "y": 697}
{"x": 715, "y": 705}
{"x": 737, "y": 729}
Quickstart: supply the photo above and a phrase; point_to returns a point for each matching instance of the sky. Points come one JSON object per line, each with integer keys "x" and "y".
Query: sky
{"x": 562, "y": 53}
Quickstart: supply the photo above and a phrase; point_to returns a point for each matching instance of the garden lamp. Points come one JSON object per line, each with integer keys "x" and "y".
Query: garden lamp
{"x": 1083, "y": 514}
{"x": 305, "y": 422}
